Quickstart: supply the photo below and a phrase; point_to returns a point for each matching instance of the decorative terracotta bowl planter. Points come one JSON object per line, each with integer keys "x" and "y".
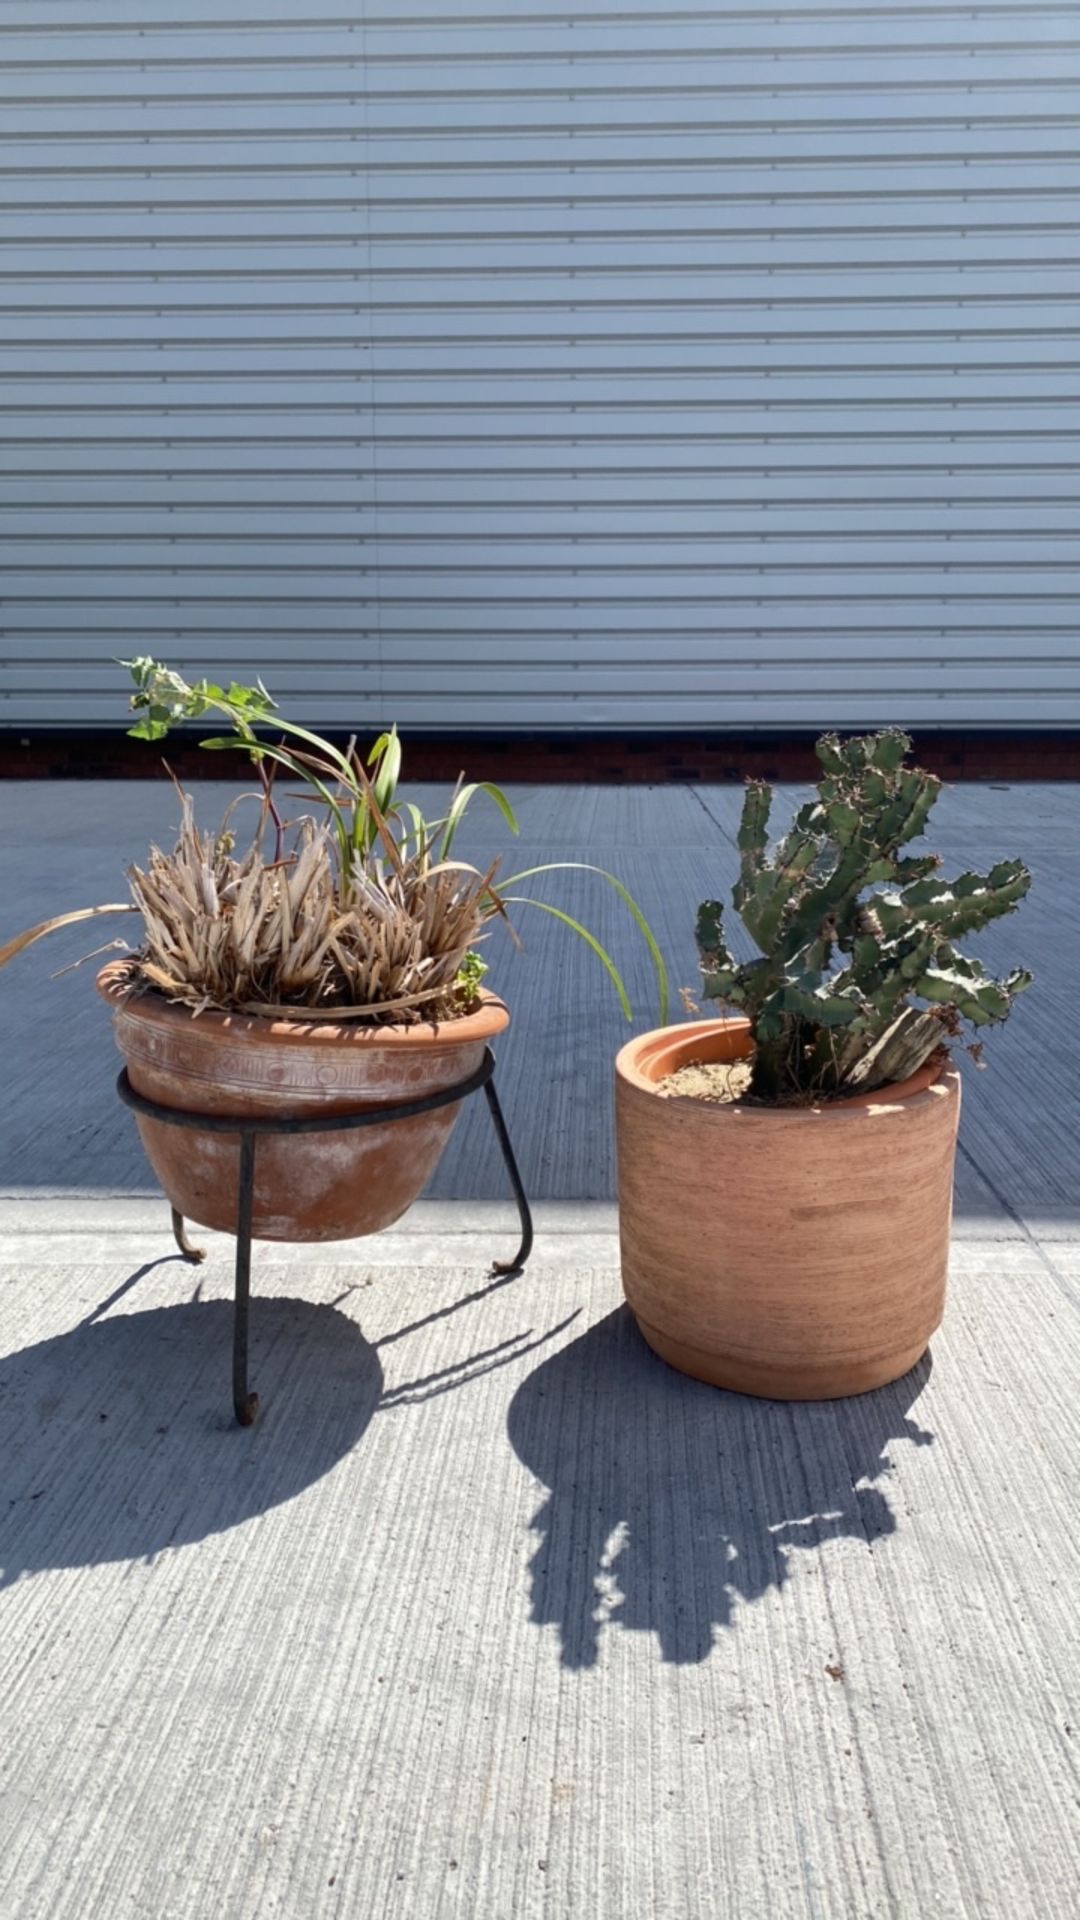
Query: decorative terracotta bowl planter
{"x": 322, "y": 1186}
{"x": 797, "y": 1253}
{"x": 269, "y": 1121}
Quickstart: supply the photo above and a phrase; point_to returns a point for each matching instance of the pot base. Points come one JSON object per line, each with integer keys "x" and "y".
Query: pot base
{"x": 837, "y": 1381}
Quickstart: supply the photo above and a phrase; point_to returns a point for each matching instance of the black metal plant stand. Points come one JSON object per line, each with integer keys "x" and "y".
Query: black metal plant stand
{"x": 249, "y": 1129}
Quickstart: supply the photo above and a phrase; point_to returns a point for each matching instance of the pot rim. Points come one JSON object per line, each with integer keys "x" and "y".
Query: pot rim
{"x": 146, "y": 1003}
{"x": 894, "y": 1093}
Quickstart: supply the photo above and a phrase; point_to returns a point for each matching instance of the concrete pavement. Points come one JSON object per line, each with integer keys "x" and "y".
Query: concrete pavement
{"x": 491, "y": 1614}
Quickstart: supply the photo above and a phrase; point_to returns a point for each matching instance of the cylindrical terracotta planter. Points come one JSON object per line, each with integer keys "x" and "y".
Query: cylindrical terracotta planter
{"x": 331, "y": 1186}
{"x": 796, "y": 1253}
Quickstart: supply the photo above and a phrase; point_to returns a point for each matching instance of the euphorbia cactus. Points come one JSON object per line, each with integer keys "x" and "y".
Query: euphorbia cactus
{"x": 858, "y": 981}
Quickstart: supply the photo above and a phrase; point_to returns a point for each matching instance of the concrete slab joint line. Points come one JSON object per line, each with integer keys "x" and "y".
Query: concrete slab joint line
{"x": 493, "y": 1613}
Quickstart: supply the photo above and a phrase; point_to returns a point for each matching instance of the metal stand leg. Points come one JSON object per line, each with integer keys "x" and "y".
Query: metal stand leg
{"x": 517, "y": 1264}
{"x": 194, "y": 1254}
{"x": 249, "y": 1129}
{"x": 245, "y": 1404}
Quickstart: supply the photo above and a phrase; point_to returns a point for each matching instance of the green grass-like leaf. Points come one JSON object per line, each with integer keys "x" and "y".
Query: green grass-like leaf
{"x": 545, "y": 906}
{"x": 460, "y": 804}
{"x": 583, "y": 866}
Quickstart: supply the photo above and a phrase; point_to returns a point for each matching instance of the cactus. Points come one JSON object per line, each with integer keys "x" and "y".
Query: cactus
{"x": 857, "y": 982}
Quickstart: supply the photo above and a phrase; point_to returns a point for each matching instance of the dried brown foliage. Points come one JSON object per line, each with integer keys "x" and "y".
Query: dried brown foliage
{"x": 241, "y": 934}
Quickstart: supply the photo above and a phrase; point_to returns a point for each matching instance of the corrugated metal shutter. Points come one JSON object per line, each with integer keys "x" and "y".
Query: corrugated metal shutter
{"x": 542, "y": 364}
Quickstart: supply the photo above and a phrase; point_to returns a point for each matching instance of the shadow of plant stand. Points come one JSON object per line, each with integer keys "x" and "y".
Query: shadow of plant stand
{"x": 246, "y": 1403}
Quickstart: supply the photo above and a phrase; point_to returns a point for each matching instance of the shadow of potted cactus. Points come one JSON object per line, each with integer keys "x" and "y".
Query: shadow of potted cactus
{"x": 786, "y": 1171}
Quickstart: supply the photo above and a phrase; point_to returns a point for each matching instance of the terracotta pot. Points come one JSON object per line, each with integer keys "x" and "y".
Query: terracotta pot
{"x": 795, "y": 1253}
{"x": 330, "y": 1186}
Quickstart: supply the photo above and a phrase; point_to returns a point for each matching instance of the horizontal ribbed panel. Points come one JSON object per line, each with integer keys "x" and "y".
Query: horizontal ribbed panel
{"x": 538, "y": 365}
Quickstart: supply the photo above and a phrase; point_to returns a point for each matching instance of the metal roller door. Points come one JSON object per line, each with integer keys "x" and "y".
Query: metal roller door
{"x": 543, "y": 365}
